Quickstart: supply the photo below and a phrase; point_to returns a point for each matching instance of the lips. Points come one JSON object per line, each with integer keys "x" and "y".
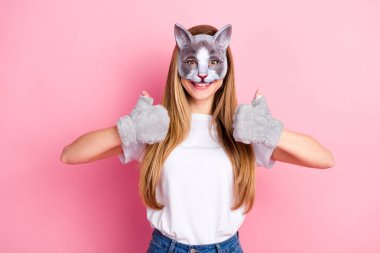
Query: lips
{"x": 202, "y": 84}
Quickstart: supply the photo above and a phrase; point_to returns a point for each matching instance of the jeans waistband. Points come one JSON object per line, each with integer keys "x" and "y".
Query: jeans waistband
{"x": 173, "y": 243}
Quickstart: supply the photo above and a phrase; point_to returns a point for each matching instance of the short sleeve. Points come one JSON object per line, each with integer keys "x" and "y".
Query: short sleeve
{"x": 263, "y": 155}
{"x": 132, "y": 152}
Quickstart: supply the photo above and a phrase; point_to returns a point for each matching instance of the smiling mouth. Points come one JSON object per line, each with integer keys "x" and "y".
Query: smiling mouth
{"x": 202, "y": 84}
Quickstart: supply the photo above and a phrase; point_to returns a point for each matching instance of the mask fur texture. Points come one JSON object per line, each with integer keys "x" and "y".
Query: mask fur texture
{"x": 202, "y": 58}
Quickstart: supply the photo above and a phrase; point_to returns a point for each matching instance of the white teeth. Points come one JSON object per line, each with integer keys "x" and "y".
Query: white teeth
{"x": 202, "y": 84}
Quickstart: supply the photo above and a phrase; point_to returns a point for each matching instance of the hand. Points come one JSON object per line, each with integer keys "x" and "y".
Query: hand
{"x": 145, "y": 124}
{"x": 254, "y": 123}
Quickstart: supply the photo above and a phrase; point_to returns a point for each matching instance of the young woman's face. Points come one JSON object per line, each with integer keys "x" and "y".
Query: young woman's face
{"x": 201, "y": 93}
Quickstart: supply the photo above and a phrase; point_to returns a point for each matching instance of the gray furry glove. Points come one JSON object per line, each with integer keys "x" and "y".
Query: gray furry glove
{"x": 254, "y": 124}
{"x": 145, "y": 124}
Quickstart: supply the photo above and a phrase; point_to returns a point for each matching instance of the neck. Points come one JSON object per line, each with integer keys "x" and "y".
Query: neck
{"x": 202, "y": 106}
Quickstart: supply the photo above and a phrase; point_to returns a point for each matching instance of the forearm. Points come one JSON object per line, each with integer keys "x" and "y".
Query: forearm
{"x": 91, "y": 146}
{"x": 303, "y": 150}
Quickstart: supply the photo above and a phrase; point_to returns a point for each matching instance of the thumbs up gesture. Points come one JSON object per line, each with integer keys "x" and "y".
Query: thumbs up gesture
{"x": 253, "y": 123}
{"x": 147, "y": 123}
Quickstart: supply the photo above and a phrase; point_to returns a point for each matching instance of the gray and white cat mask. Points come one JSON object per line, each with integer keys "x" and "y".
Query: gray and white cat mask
{"x": 202, "y": 58}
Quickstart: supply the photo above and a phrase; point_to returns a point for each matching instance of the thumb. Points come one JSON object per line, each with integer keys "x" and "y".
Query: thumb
{"x": 145, "y": 93}
{"x": 258, "y": 93}
{"x": 144, "y": 100}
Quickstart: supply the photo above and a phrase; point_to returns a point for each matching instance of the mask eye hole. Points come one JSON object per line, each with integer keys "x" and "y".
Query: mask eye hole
{"x": 214, "y": 62}
{"x": 191, "y": 62}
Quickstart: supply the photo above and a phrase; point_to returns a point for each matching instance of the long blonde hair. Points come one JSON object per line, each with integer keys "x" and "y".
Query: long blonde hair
{"x": 175, "y": 100}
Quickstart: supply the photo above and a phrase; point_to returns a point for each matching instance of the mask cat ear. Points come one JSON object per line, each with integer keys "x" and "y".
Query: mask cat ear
{"x": 223, "y": 36}
{"x": 182, "y": 36}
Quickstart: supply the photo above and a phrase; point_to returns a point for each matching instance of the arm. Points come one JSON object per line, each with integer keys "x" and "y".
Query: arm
{"x": 93, "y": 146}
{"x": 303, "y": 150}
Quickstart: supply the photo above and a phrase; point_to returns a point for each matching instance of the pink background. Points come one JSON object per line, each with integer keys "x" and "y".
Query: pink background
{"x": 70, "y": 67}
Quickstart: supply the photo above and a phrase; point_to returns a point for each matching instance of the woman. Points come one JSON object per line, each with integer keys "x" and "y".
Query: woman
{"x": 198, "y": 149}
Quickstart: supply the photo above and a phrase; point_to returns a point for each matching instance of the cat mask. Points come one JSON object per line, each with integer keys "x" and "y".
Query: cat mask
{"x": 202, "y": 58}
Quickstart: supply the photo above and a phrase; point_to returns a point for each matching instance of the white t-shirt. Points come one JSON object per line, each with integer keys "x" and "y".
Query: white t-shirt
{"x": 196, "y": 187}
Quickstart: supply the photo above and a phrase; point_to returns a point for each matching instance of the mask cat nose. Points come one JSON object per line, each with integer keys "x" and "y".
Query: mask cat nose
{"x": 202, "y": 76}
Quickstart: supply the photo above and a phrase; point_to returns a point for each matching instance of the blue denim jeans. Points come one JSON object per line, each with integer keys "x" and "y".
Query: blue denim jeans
{"x": 163, "y": 244}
